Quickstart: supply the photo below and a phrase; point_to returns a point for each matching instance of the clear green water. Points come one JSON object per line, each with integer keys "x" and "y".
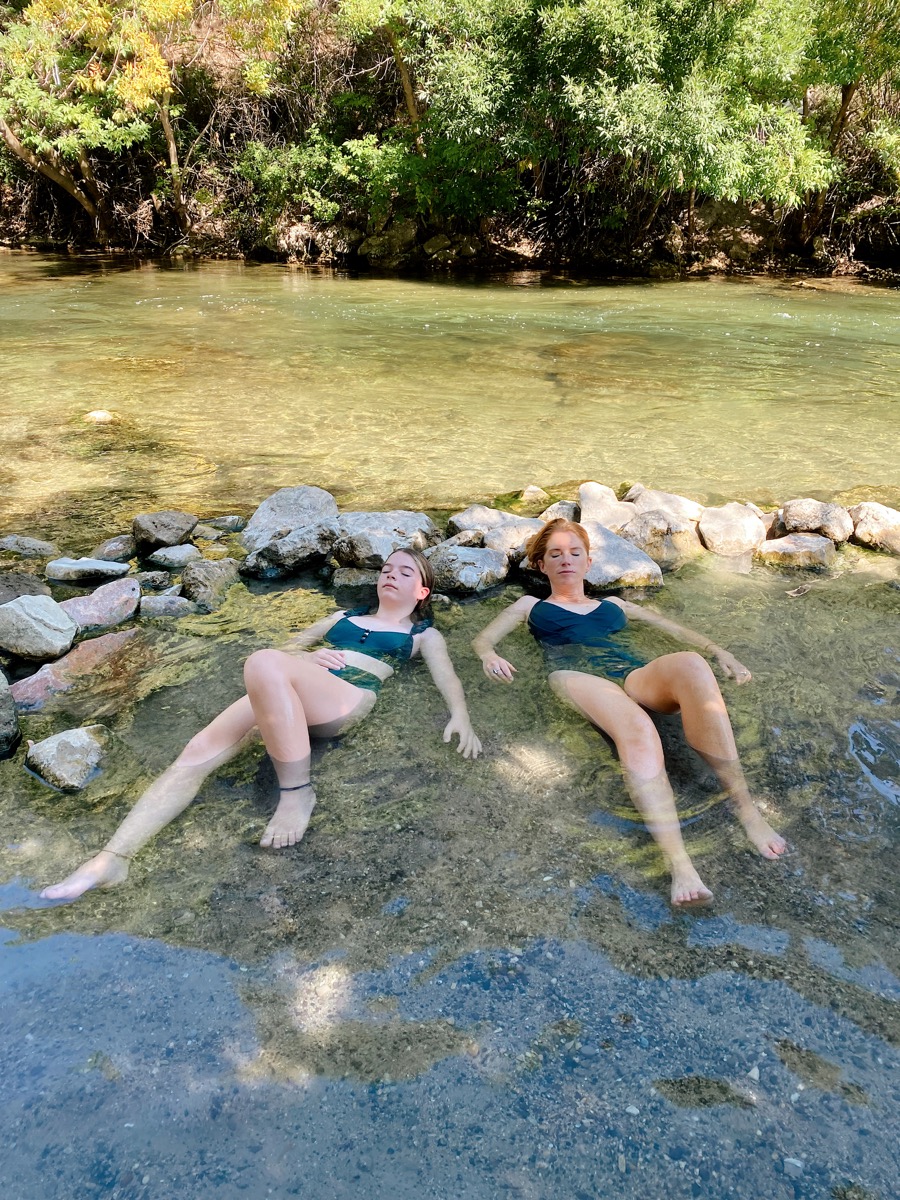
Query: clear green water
{"x": 467, "y": 975}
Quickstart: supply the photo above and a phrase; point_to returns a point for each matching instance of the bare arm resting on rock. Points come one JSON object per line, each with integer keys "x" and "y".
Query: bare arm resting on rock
{"x": 598, "y": 675}
{"x": 291, "y": 696}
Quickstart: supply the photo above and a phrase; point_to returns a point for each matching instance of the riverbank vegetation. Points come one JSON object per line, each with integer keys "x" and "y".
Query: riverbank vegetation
{"x": 607, "y": 131}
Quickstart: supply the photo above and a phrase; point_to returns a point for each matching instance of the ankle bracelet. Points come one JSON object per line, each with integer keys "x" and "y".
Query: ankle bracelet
{"x": 298, "y": 788}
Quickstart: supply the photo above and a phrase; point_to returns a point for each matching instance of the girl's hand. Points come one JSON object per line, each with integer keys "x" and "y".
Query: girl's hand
{"x": 331, "y": 660}
{"x": 469, "y": 745}
{"x": 498, "y": 668}
{"x": 731, "y": 667}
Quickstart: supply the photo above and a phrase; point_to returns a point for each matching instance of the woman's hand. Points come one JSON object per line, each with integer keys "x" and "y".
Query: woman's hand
{"x": 498, "y": 668}
{"x": 469, "y": 745}
{"x": 331, "y": 660}
{"x": 731, "y": 667}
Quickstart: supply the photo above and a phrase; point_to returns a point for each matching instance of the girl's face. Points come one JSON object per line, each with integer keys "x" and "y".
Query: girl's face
{"x": 400, "y": 581}
{"x": 565, "y": 560}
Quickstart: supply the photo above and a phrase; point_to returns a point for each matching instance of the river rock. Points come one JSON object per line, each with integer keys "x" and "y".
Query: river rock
{"x": 291, "y": 552}
{"x": 354, "y": 577}
{"x": 54, "y": 678}
{"x": 877, "y": 526}
{"x": 170, "y": 527}
{"x": 70, "y": 759}
{"x": 617, "y": 562}
{"x": 511, "y": 537}
{"x": 36, "y": 627}
{"x": 174, "y": 558}
{"x": 600, "y": 503}
{"x": 228, "y": 524}
{"x": 117, "y": 549}
{"x": 9, "y": 722}
{"x": 26, "y": 547}
{"x": 533, "y": 497}
{"x": 731, "y": 529}
{"x": 367, "y": 538}
{"x": 669, "y": 540}
{"x": 812, "y": 516}
{"x": 647, "y": 499}
{"x": 287, "y": 510}
{"x": 84, "y": 570}
{"x": 153, "y": 581}
{"x": 466, "y": 568}
{"x": 167, "y": 606}
{"x": 566, "y": 510}
{"x": 18, "y": 583}
{"x": 208, "y": 533}
{"x": 207, "y": 583}
{"x": 798, "y": 550}
{"x": 109, "y": 605}
{"x": 478, "y": 516}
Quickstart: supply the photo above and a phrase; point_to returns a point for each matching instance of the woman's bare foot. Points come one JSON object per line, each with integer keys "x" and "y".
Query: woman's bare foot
{"x": 769, "y": 843}
{"x": 290, "y": 819}
{"x": 103, "y": 870}
{"x": 688, "y": 889}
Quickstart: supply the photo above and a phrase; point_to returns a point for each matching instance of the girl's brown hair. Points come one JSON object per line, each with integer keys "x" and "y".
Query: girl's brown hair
{"x": 422, "y": 611}
{"x": 536, "y": 547}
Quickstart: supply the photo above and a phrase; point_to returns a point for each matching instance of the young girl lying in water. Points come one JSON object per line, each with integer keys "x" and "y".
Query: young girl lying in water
{"x": 292, "y": 696}
{"x": 593, "y": 670}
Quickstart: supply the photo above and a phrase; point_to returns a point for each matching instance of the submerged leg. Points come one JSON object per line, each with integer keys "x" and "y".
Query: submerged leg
{"x": 167, "y": 796}
{"x": 641, "y": 755}
{"x": 684, "y": 682}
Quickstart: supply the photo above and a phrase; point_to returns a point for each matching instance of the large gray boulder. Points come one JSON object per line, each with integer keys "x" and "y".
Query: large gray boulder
{"x": 367, "y": 538}
{"x": 567, "y": 510}
{"x": 599, "y": 503}
{"x": 120, "y": 548}
{"x": 36, "y": 627}
{"x": 26, "y": 547}
{"x": 731, "y": 529}
{"x": 877, "y": 526}
{"x": 70, "y": 759}
{"x": 292, "y": 552}
{"x": 669, "y": 540}
{"x": 174, "y": 558}
{"x": 647, "y": 499}
{"x": 19, "y": 583}
{"x": 206, "y": 583}
{"x": 104, "y": 653}
{"x": 170, "y": 527}
{"x": 84, "y": 570}
{"x": 9, "y": 722}
{"x": 354, "y": 577}
{"x": 466, "y": 568}
{"x": 106, "y": 607}
{"x": 618, "y": 563}
{"x": 812, "y": 516}
{"x": 798, "y": 550}
{"x": 478, "y": 516}
{"x": 287, "y": 510}
{"x": 511, "y": 537}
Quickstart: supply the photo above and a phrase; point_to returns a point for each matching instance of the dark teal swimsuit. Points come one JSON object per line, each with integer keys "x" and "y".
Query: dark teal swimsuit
{"x": 391, "y": 648}
{"x": 583, "y": 641}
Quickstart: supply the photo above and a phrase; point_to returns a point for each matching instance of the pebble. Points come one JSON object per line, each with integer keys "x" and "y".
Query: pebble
{"x": 793, "y": 1167}
{"x": 753, "y": 1074}
{"x": 633, "y": 1109}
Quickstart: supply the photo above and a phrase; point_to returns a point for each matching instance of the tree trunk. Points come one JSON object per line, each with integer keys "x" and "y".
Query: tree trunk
{"x": 408, "y": 94}
{"x": 57, "y": 173}
{"x": 178, "y": 203}
{"x": 848, "y": 91}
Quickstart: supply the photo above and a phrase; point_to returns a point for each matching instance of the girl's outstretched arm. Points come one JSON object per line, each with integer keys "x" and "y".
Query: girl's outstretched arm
{"x": 729, "y": 664}
{"x": 497, "y": 668}
{"x": 312, "y": 633}
{"x": 434, "y": 650}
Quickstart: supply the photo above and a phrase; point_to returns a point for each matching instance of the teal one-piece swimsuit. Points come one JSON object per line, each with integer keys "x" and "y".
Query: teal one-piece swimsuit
{"x": 392, "y": 648}
{"x": 585, "y": 642}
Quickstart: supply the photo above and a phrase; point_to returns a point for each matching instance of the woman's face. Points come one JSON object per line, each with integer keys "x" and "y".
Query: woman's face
{"x": 400, "y": 581}
{"x": 565, "y": 560}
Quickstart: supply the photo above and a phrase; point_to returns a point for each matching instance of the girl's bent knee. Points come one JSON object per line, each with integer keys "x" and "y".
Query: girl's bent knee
{"x": 263, "y": 663}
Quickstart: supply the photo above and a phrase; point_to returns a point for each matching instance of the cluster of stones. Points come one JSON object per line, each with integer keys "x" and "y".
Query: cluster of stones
{"x": 633, "y": 541}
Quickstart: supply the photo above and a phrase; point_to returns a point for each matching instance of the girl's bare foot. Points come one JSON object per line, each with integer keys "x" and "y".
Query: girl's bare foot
{"x": 103, "y": 870}
{"x": 288, "y": 825}
{"x": 769, "y": 843}
{"x": 688, "y": 889}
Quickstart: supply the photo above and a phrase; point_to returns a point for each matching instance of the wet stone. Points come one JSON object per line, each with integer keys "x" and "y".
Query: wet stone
{"x": 174, "y": 558}
{"x": 68, "y": 760}
{"x": 111, "y": 604}
{"x": 647, "y": 499}
{"x": 153, "y": 581}
{"x": 36, "y": 627}
{"x": 169, "y": 527}
{"x": 480, "y": 517}
{"x": 18, "y": 583}
{"x": 228, "y": 524}
{"x": 26, "y": 547}
{"x": 167, "y": 606}
{"x": 9, "y": 722}
{"x": 798, "y": 550}
{"x": 207, "y": 583}
{"x": 84, "y": 570}
{"x": 55, "y": 678}
{"x": 285, "y": 511}
{"x": 599, "y": 503}
{"x": 117, "y": 549}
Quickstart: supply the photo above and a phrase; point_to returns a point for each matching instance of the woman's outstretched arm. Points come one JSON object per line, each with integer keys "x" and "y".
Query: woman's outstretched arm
{"x": 495, "y": 667}
{"x": 729, "y": 664}
{"x": 434, "y": 650}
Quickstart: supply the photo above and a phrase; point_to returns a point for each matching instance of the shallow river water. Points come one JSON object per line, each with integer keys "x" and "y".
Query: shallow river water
{"x": 466, "y": 982}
